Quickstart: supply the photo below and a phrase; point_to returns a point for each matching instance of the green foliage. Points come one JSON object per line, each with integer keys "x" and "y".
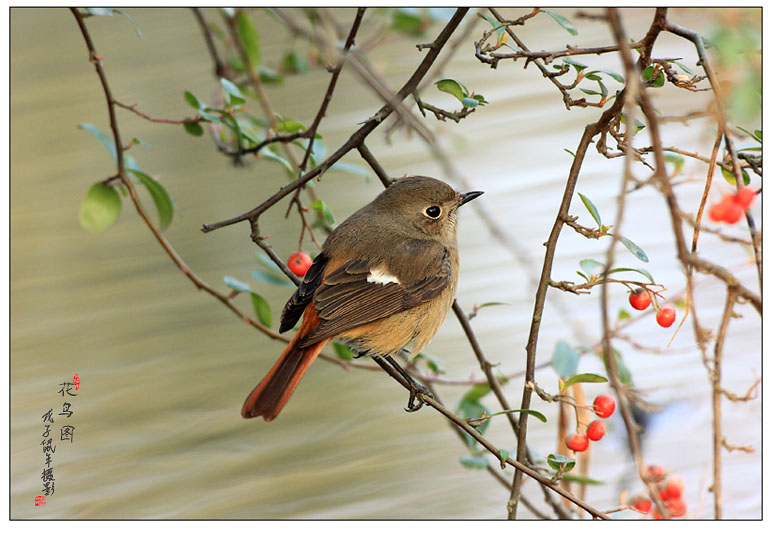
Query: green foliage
{"x": 584, "y": 378}
{"x": 249, "y": 38}
{"x": 460, "y": 91}
{"x": 562, "y": 21}
{"x": 592, "y": 209}
{"x": 342, "y": 350}
{"x": 324, "y": 210}
{"x": 100, "y": 209}
{"x": 565, "y": 359}
{"x": 262, "y": 309}
{"x": 102, "y": 138}
{"x": 163, "y": 203}
{"x": 234, "y": 284}
{"x": 560, "y": 462}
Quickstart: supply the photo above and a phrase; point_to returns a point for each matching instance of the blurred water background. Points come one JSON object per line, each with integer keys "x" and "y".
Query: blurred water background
{"x": 164, "y": 368}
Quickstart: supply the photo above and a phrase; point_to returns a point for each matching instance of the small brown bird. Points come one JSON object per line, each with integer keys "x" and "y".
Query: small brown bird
{"x": 385, "y": 279}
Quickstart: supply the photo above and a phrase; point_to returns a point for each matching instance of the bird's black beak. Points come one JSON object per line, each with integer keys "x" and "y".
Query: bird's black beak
{"x": 468, "y": 196}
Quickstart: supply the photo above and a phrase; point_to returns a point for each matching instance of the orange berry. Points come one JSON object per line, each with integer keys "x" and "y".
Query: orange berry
{"x": 675, "y": 487}
{"x": 677, "y": 507}
{"x": 744, "y": 197}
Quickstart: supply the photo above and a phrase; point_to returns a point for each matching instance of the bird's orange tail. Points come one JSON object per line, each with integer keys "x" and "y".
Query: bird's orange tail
{"x": 273, "y": 392}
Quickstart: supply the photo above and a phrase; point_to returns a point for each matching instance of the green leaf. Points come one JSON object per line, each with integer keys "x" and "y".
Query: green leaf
{"x": 648, "y": 76}
{"x": 294, "y": 63}
{"x": 624, "y": 373}
{"x": 756, "y": 135}
{"x": 350, "y": 168}
{"x": 234, "y": 284}
{"x": 592, "y": 267}
{"x": 480, "y": 99}
{"x": 192, "y": 100}
{"x": 684, "y": 68}
{"x": 290, "y": 126}
{"x": 469, "y": 103}
{"x": 614, "y": 75}
{"x": 638, "y": 124}
{"x": 540, "y": 416}
{"x": 273, "y": 156}
{"x": 584, "y": 378}
{"x": 562, "y": 21}
{"x": 472, "y": 409}
{"x": 589, "y": 91}
{"x": 582, "y": 275}
{"x": 133, "y": 22}
{"x": 262, "y": 309}
{"x": 193, "y": 128}
{"x": 477, "y": 462}
{"x": 503, "y": 455}
{"x": 623, "y": 315}
{"x": 322, "y": 207}
{"x": 269, "y": 76}
{"x": 342, "y": 350}
{"x": 729, "y": 175}
{"x": 676, "y": 160}
{"x": 578, "y": 66}
{"x": 475, "y": 393}
{"x": 163, "y": 203}
{"x": 639, "y": 270}
{"x": 100, "y": 209}
{"x": 272, "y": 278}
{"x": 557, "y": 461}
{"x": 572, "y": 154}
{"x": 452, "y": 87}
{"x": 581, "y": 479}
{"x": 492, "y": 22}
{"x": 408, "y": 21}
{"x": 592, "y": 209}
{"x": 634, "y": 249}
{"x": 102, "y": 137}
{"x": 249, "y": 38}
{"x": 565, "y": 360}
{"x": 233, "y": 95}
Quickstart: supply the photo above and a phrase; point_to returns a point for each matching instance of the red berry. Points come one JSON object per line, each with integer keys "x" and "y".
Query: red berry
{"x": 640, "y": 299}
{"x": 641, "y": 504}
{"x": 299, "y": 262}
{"x": 675, "y": 487}
{"x": 654, "y": 472}
{"x": 677, "y": 507}
{"x": 577, "y": 442}
{"x": 733, "y": 213}
{"x": 744, "y": 197}
{"x": 657, "y": 515}
{"x": 603, "y": 405}
{"x": 717, "y": 211}
{"x": 596, "y": 430}
{"x": 666, "y": 316}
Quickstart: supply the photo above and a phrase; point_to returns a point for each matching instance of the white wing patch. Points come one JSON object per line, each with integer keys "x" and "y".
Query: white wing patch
{"x": 380, "y": 275}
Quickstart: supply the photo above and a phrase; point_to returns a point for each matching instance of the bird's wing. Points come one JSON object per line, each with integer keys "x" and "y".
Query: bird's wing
{"x": 359, "y": 292}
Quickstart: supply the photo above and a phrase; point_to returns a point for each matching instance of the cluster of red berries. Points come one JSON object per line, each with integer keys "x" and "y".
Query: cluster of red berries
{"x": 603, "y": 406}
{"x": 732, "y": 206}
{"x": 299, "y": 262}
{"x": 670, "y": 492}
{"x": 641, "y": 298}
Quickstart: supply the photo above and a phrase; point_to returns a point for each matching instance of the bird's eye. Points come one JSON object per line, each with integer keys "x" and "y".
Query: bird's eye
{"x": 433, "y": 212}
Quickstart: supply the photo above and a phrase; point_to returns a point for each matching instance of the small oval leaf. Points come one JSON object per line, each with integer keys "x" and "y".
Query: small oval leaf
{"x": 562, "y": 21}
{"x": 593, "y": 210}
{"x": 565, "y": 360}
{"x": 262, "y": 309}
{"x": 584, "y": 378}
{"x": 235, "y": 284}
{"x": 634, "y": 249}
{"x": 451, "y": 86}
